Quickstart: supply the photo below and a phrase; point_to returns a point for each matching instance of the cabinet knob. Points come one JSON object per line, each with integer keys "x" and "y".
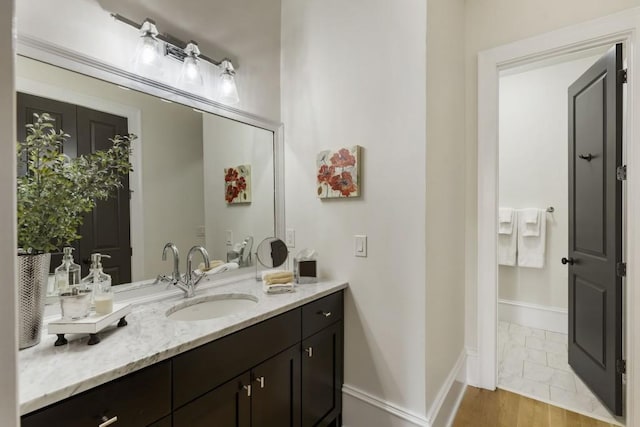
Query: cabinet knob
{"x": 108, "y": 421}
{"x": 309, "y": 351}
{"x": 248, "y": 388}
{"x": 260, "y": 381}
{"x": 325, "y": 313}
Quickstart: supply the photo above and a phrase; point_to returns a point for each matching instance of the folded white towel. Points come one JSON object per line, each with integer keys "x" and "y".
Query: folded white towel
{"x": 507, "y": 244}
{"x": 275, "y": 270}
{"x": 531, "y": 248}
{"x": 532, "y": 220}
{"x": 219, "y": 269}
{"x": 278, "y": 288}
{"x": 505, "y": 220}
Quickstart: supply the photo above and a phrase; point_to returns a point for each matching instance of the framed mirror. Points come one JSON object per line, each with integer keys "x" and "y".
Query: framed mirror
{"x": 204, "y": 174}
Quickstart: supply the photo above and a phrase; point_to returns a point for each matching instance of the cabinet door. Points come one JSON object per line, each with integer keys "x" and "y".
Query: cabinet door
{"x": 276, "y": 391}
{"x": 322, "y": 376}
{"x": 228, "y": 405}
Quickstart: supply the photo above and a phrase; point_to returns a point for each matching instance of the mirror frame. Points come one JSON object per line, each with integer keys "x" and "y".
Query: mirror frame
{"x": 55, "y": 55}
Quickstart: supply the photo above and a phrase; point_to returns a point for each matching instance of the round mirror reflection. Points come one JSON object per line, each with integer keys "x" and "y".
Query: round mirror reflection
{"x": 272, "y": 252}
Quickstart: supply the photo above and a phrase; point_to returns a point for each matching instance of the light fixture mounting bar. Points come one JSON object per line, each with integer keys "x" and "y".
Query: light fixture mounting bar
{"x": 174, "y": 47}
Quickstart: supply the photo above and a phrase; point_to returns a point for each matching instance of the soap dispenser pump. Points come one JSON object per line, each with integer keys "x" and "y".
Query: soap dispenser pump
{"x": 100, "y": 283}
{"x": 67, "y": 275}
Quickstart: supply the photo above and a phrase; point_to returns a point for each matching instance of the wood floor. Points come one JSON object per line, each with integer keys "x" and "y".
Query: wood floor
{"x": 483, "y": 408}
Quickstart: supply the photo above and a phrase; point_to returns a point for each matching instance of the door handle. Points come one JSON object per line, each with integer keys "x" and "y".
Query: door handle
{"x": 569, "y": 261}
{"x": 587, "y": 157}
{"x": 260, "y": 381}
{"x": 248, "y": 389}
{"x": 309, "y": 351}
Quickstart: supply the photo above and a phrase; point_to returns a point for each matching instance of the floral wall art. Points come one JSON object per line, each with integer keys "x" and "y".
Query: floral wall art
{"x": 237, "y": 181}
{"x": 339, "y": 173}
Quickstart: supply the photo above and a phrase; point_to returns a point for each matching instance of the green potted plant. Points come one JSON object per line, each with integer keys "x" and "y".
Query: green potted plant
{"x": 53, "y": 194}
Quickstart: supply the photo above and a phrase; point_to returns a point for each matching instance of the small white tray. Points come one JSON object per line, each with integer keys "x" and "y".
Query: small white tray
{"x": 89, "y": 325}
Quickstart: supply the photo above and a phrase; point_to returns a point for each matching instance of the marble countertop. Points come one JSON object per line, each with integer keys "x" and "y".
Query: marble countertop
{"x": 48, "y": 374}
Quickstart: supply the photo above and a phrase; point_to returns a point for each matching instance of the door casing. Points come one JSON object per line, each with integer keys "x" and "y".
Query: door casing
{"x": 621, "y": 27}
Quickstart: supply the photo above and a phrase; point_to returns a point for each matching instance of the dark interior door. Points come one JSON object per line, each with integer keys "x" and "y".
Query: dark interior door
{"x": 107, "y": 228}
{"x": 595, "y": 228}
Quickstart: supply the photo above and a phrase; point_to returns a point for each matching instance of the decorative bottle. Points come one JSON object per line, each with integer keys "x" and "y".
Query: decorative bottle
{"x": 67, "y": 275}
{"x": 100, "y": 284}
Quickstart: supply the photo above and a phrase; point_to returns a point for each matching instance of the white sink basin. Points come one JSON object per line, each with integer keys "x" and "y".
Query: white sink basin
{"x": 212, "y": 307}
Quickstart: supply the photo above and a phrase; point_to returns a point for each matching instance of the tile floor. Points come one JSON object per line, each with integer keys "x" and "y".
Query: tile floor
{"x": 534, "y": 362}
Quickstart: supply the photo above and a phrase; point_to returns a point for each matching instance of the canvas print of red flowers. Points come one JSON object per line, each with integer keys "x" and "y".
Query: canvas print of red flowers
{"x": 237, "y": 182}
{"x": 338, "y": 173}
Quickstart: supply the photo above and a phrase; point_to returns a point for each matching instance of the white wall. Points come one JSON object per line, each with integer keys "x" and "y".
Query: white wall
{"x": 354, "y": 73}
{"x": 533, "y": 171}
{"x": 83, "y": 26}
{"x": 491, "y": 23}
{"x": 445, "y": 191}
{"x": 8, "y": 242}
{"x": 227, "y": 143}
{"x": 170, "y": 139}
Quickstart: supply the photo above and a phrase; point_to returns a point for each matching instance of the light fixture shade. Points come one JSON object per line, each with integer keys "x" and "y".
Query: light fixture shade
{"x": 191, "y": 73}
{"x": 148, "y": 52}
{"x": 227, "y": 90}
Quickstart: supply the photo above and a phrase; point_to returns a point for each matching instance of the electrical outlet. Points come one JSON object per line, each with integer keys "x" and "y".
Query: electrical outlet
{"x": 201, "y": 232}
{"x": 291, "y": 238}
{"x": 360, "y": 245}
{"x": 229, "y": 240}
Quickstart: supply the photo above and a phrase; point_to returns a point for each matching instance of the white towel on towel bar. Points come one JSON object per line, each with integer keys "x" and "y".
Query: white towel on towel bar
{"x": 532, "y": 219}
{"x": 531, "y": 249}
{"x": 505, "y": 220}
{"x": 507, "y": 237}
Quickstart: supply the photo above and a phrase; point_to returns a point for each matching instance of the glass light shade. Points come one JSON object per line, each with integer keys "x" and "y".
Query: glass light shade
{"x": 228, "y": 92}
{"x": 148, "y": 56}
{"x": 191, "y": 74}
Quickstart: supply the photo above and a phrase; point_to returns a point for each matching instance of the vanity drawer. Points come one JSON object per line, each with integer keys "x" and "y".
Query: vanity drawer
{"x": 202, "y": 369}
{"x": 138, "y": 399}
{"x": 319, "y": 314}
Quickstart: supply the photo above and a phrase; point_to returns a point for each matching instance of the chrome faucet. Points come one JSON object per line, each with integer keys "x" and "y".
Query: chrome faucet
{"x": 190, "y": 280}
{"x": 175, "y": 276}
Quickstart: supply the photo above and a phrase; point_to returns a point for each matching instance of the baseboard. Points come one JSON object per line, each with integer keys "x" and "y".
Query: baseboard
{"x": 442, "y": 412}
{"x": 402, "y": 416}
{"x": 445, "y": 406}
{"x": 472, "y": 367}
{"x": 553, "y": 319}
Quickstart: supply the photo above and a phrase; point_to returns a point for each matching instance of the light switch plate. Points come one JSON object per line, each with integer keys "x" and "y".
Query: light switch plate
{"x": 291, "y": 238}
{"x": 229, "y": 240}
{"x": 360, "y": 248}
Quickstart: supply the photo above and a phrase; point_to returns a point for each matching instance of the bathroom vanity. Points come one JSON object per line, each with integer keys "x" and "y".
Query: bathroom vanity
{"x": 276, "y": 364}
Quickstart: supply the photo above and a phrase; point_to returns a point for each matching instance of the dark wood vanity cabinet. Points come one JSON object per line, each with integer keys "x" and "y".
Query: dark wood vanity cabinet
{"x": 139, "y": 399}
{"x": 284, "y": 372}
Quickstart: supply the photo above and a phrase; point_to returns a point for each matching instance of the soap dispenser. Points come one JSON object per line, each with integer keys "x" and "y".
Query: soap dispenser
{"x": 67, "y": 275}
{"x": 100, "y": 283}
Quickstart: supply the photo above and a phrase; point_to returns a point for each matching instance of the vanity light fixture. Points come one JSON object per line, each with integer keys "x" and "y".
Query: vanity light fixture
{"x": 191, "y": 74}
{"x": 227, "y": 90}
{"x": 153, "y": 45}
{"x": 148, "y": 50}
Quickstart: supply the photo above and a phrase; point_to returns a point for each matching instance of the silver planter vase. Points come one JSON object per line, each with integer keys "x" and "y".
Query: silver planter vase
{"x": 33, "y": 273}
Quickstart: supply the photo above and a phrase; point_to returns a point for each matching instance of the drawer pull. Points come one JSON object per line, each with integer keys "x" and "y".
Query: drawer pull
{"x": 309, "y": 351}
{"x": 325, "y": 313}
{"x": 108, "y": 421}
{"x": 261, "y": 381}
{"x": 248, "y": 388}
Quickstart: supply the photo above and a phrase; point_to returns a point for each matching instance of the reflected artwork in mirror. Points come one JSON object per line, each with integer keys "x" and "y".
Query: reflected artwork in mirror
{"x": 178, "y": 187}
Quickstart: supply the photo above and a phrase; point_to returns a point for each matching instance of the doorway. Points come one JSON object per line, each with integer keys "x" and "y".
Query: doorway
{"x": 607, "y": 31}
{"x": 532, "y": 287}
